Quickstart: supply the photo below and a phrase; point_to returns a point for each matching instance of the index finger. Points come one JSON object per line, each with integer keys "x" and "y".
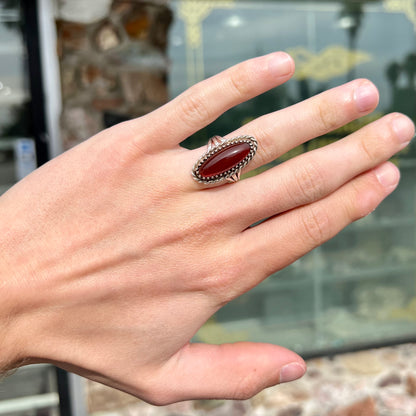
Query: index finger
{"x": 204, "y": 102}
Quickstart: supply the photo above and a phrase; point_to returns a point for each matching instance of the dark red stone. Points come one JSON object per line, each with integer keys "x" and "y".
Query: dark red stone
{"x": 224, "y": 160}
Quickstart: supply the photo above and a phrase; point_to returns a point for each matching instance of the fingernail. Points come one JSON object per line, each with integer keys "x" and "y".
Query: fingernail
{"x": 280, "y": 64}
{"x": 404, "y": 128}
{"x": 388, "y": 175}
{"x": 366, "y": 97}
{"x": 291, "y": 372}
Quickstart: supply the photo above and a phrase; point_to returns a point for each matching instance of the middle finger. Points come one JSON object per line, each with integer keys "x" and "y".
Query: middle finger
{"x": 281, "y": 131}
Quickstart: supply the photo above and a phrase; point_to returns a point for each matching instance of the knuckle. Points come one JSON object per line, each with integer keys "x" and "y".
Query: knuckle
{"x": 363, "y": 200}
{"x": 219, "y": 268}
{"x": 148, "y": 391}
{"x": 373, "y": 145}
{"x": 193, "y": 109}
{"x": 357, "y": 208}
{"x": 222, "y": 285}
{"x": 158, "y": 398}
{"x": 316, "y": 225}
{"x": 367, "y": 149}
{"x": 328, "y": 119}
{"x": 216, "y": 219}
{"x": 308, "y": 183}
{"x": 152, "y": 386}
{"x": 379, "y": 140}
{"x": 238, "y": 83}
{"x": 225, "y": 277}
{"x": 207, "y": 223}
{"x": 247, "y": 387}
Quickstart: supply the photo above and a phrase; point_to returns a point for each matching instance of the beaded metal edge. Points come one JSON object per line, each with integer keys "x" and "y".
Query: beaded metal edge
{"x": 215, "y": 145}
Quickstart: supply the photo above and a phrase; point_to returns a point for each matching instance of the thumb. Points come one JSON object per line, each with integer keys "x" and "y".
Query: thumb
{"x": 228, "y": 371}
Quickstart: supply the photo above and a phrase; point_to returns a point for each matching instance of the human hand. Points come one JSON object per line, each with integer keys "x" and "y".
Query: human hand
{"x": 113, "y": 256}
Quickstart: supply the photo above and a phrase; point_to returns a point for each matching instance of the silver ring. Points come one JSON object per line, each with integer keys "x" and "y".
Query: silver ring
{"x": 224, "y": 159}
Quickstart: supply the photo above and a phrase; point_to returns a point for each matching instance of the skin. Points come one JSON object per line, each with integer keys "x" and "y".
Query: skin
{"x": 113, "y": 256}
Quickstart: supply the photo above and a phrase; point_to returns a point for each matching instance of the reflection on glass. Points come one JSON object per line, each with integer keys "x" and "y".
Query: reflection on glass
{"x": 359, "y": 289}
{"x": 14, "y": 93}
{"x": 33, "y": 389}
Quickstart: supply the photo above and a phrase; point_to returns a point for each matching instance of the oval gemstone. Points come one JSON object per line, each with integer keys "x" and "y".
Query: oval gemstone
{"x": 224, "y": 160}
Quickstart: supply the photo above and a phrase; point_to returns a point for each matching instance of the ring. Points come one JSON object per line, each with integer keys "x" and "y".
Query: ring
{"x": 224, "y": 159}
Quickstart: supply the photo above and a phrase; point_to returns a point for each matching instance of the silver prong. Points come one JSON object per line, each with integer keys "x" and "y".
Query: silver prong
{"x": 235, "y": 177}
{"x": 214, "y": 142}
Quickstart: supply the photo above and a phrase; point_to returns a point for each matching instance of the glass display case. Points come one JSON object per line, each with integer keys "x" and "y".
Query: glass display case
{"x": 14, "y": 91}
{"x": 23, "y": 139}
{"x": 359, "y": 289}
{"x": 32, "y": 390}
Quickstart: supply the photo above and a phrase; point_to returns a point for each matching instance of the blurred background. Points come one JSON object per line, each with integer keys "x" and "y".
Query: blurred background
{"x": 70, "y": 68}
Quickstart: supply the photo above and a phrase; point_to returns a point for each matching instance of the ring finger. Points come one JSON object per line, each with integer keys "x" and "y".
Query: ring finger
{"x": 313, "y": 175}
{"x": 281, "y": 131}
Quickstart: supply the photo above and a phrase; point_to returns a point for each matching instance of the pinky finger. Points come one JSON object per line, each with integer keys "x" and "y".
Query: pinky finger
{"x": 281, "y": 240}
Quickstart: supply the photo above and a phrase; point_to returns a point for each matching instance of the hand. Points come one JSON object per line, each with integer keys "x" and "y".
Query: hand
{"x": 113, "y": 256}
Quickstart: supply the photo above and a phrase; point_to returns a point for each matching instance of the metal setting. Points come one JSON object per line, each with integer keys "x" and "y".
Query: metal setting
{"x": 217, "y": 145}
